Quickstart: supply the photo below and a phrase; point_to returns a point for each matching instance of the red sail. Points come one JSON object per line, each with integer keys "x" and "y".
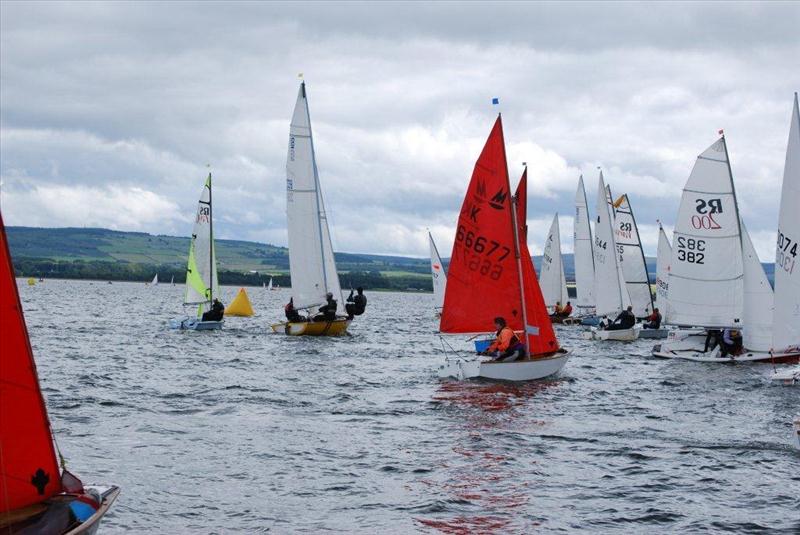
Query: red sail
{"x": 541, "y": 339}
{"x": 522, "y": 202}
{"x": 482, "y": 280}
{"x": 28, "y": 468}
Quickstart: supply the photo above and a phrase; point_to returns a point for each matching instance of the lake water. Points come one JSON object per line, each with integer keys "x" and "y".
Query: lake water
{"x": 243, "y": 430}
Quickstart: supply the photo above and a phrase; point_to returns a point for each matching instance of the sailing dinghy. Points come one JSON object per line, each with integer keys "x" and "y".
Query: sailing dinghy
{"x": 269, "y": 286}
{"x": 439, "y": 277}
{"x": 491, "y": 274}
{"x": 36, "y": 496}
{"x": 311, "y": 262}
{"x": 716, "y": 279}
{"x": 611, "y": 292}
{"x": 154, "y": 282}
{"x": 201, "y": 272}
{"x": 584, "y": 259}
{"x": 551, "y": 275}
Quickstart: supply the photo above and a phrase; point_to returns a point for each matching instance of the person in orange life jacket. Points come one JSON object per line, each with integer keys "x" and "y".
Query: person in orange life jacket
{"x": 653, "y": 320}
{"x": 507, "y": 347}
{"x": 292, "y": 315}
{"x": 558, "y": 309}
{"x": 567, "y": 310}
{"x": 625, "y": 320}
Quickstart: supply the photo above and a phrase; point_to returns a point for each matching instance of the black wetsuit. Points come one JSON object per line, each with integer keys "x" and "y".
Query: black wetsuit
{"x": 327, "y": 312}
{"x": 625, "y": 320}
{"x": 216, "y": 313}
{"x": 356, "y": 305}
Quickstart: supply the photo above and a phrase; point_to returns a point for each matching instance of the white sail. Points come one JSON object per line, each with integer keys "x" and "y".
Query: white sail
{"x": 311, "y": 262}
{"x": 551, "y": 274}
{"x": 584, "y": 257}
{"x": 758, "y": 300}
{"x": 201, "y": 272}
{"x": 706, "y": 281}
{"x": 269, "y": 286}
{"x": 155, "y": 280}
{"x": 662, "y": 272}
{"x": 438, "y": 274}
{"x": 631, "y": 258}
{"x": 611, "y": 295}
{"x": 786, "y": 323}
{"x": 172, "y": 280}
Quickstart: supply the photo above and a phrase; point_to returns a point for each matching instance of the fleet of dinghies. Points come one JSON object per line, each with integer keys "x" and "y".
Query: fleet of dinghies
{"x": 37, "y": 495}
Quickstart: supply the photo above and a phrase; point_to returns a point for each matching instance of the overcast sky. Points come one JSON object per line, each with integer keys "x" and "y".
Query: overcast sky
{"x": 110, "y": 112}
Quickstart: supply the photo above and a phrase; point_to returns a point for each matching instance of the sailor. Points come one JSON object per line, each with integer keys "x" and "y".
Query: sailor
{"x": 292, "y": 315}
{"x": 731, "y": 343}
{"x": 327, "y": 312}
{"x": 356, "y": 304}
{"x": 567, "y": 310}
{"x": 712, "y": 340}
{"x": 216, "y": 312}
{"x": 653, "y": 320}
{"x": 558, "y": 309}
{"x": 625, "y": 320}
{"x": 506, "y": 347}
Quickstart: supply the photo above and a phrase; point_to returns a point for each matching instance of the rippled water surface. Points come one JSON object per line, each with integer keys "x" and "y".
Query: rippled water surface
{"x": 243, "y": 430}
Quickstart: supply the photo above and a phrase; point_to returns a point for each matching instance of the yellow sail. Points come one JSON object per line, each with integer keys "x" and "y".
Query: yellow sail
{"x": 240, "y": 306}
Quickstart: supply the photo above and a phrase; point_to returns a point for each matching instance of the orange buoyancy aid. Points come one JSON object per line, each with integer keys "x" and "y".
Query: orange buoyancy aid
{"x": 506, "y": 338}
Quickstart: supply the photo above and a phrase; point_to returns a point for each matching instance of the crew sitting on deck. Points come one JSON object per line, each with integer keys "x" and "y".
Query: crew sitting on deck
{"x": 292, "y": 315}
{"x": 731, "y": 343}
{"x": 653, "y": 320}
{"x": 327, "y": 312}
{"x": 562, "y": 312}
{"x": 625, "y": 320}
{"x": 216, "y": 312}
{"x": 507, "y": 347}
{"x": 713, "y": 338}
{"x": 356, "y": 304}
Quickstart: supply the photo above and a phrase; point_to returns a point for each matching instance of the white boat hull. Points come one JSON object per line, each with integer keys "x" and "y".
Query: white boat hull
{"x": 523, "y": 370}
{"x": 194, "y": 324}
{"x": 90, "y": 526}
{"x": 689, "y": 345}
{"x": 789, "y": 377}
{"x": 622, "y": 335}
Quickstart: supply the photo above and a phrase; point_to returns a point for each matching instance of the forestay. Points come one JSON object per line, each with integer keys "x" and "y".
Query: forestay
{"x": 611, "y": 294}
{"x": 758, "y": 299}
{"x": 438, "y": 274}
{"x": 311, "y": 261}
{"x": 786, "y": 323}
{"x": 584, "y": 256}
{"x": 551, "y": 276}
{"x": 631, "y": 258}
{"x": 706, "y": 280}
{"x": 662, "y": 272}
{"x": 201, "y": 273}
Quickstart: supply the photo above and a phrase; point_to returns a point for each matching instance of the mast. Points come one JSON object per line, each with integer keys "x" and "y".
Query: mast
{"x": 210, "y": 245}
{"x": 641, "y": 251}
{"x": 515, "y": 228}
{"x": 317, "y": 188}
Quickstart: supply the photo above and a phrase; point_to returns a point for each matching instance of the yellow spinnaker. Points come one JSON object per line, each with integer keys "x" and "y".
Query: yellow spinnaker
{"x": 240, "y": 306}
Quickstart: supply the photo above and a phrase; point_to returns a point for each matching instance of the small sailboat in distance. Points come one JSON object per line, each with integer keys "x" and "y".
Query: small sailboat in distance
{"x": 491, "y": 275}
{"x": 269, "y": 286}
{"x": 584, "y": 258}
{"x": 311, "y": 261}
{"x": 201, "y": 271}
{"x": 439, "y": 277}
{"x": 551, "y": 273}
{"x": 154, "y": 282}
{"x": 36, "y": 496}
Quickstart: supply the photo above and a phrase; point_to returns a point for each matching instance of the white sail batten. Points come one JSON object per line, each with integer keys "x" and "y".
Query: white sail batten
{"x": 611, "y": 295}
{"x": 662, "y": 272}
{"x": 551, "y": 274}
{"x": 786, "y": 322}
{"x": 758, "y": 300}
{"x": 706, "y": 278}
{"x": 311, "y": 261}
{"x": 201, "y": 273}
{"x": 584, "y": 257}
{"x": 631, "y": 258}
{"x": 438, "y": 274}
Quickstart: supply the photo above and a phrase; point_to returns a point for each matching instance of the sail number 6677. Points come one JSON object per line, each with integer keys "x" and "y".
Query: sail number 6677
{"x": 480, "y": 244}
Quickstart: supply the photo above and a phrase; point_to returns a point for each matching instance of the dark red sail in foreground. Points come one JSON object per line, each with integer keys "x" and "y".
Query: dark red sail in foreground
{"x": 29, "y": 471}
{"x": 522, "y": 202}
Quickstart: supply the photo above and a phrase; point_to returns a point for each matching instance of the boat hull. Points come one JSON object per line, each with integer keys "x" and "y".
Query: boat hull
{"x": 592, "y": 321}
{"x": 312, "y": 328}
{"x": 622, "y": 335}
{"x": 690, "y": 347}
{"x": 523, "y": 370}
{"x": 91, "y": 525}
{"x": 788, "y": 377}
{"x": 654, "y": 333}
{"x": 194, "y": 324}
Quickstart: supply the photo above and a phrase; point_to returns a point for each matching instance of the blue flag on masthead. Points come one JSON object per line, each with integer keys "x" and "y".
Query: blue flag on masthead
{"x": 495, "y": 101}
